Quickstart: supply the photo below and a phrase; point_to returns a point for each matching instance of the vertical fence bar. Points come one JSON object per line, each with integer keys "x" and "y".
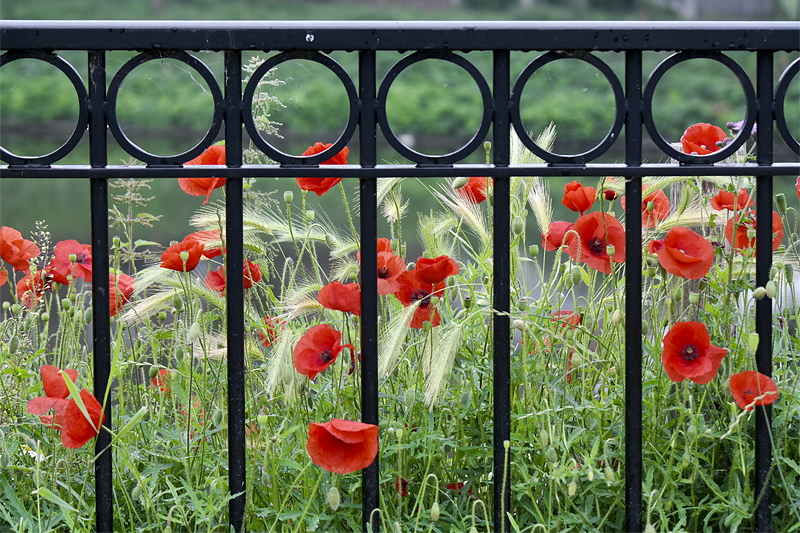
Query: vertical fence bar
{"x": 234, "y": 241}
{"x": 502, "y": 293}
{"x": 633, "y": 288}
{"x": 101, "y": 324}
{"x": 368, "y": 134}
{"x": 764, "y": 193}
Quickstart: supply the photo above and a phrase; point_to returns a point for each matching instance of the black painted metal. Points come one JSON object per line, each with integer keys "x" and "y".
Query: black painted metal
{"x": 633, "y": 304}
{"x": 442, "y": 41}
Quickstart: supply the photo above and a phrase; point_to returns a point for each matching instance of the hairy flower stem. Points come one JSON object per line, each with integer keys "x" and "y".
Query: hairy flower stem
{"x": 347, "y": 212}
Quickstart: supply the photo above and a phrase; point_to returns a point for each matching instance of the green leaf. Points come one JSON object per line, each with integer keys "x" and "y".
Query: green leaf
{"x": 76, "y": 395}
{"x": 49, "y": 495}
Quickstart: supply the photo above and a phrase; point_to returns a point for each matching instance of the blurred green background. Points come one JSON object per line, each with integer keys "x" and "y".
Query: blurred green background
{"x": 165, "y": 108}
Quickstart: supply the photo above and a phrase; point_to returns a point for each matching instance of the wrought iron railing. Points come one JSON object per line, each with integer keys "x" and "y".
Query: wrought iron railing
{"x": 501, "y": 95}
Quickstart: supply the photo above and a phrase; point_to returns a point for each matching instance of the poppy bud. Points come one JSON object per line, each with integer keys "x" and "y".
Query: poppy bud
{"x": 310, "y": 215}
{"x": 87, "y": 315}
{"x": 780, "y": 202}
{"x": 691, "y": 432}
{"x": 473, "y": 529}
{"x": 550, "y": 454}
{"x": 577, "y": 360}
{"x": 410, "y": 398}
{"x": 194, "y": 332}
{"x": 752, "y": 342}
{"x": 177, "y": 302}
{"x": 533, "y": 250}
{"x": 288, "y": 196}
{"x": 153, "y": 371}
{"x": 162, "y": 316}
{"x": 333, "y": 498}
{"x": 136, "y": 493}
{"x": 435, "y": 512}
{"x": 759, "y": 293}
{"x": 459, "y": 182}
{"x": 520, "y": 325}
{"x": 13, "y": 345}
{"x": 465, "y": 396}
{"x": 577, "y": 275}
{"x": 518, "y": 226}
{"x": 544, "y": 437}
{"x": 287, "y": 375}
{"x": 218, "y": 418}
{"x": 610, "y": 473}
{"x": 77, "y": 313}
{"x": 677, "y": 294}
{"x": 45, "y": 317}
{"x": 610, "y": 195}
{"x": 617, "y": 317}
{"x": 329, "y": 240}
{"x": 771, "y": 289}
{"x": 590, "y": 474}
{"x": 568, "y": 282}
{"x": 610, "y": 250}
{"x": 788, "y": 272}
{"x": 694, "y": 298}
{"x": 398, "y": 433}
{"x": 396, "y": 527}
{"x": 6, "y": 306}
{"x": 649, "y": 529}
{"x": 572, "y": 488}
{"x": 179, "y": 352}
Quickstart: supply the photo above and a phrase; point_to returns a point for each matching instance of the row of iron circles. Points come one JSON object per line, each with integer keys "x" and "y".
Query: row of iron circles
{"x": 355, "y": 105}
{"x": 83, "y": 109}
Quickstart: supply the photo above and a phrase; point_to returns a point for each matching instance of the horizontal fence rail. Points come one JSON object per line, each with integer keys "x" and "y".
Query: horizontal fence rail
{"x": 502, "y": 95}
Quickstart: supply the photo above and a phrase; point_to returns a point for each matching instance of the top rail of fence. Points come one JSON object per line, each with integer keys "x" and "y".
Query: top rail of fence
{"x": 386, "y": 35}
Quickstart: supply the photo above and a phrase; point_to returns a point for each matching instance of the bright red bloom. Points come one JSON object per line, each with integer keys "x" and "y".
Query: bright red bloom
{"x": 55, "y": 397}
{"x": 688, "y": 353}
{"x": 171, "y": 258}
{"x": 214, "y": 155}
{"x": 120, "y": 289}
{"x": 702, "y": 139}
{"x": 435, "y": 270}
{"x": 475, "y": 189}
{"x": 342, "y": 446}
{"x": 3, "y": 277}
{"x": 384, "y": 245}
{"x": 660, "y": 208}
{"x": 577, "y": 197}
{"x": 338, "y": 296}
{"x": 747, "y": 221}
{"x": 411, "y": 290}
{"x": 749, "y": 385}
{"x": 31, "y": 287}
{"x": 211, "y": 241}
{"x": 216, "y": 280}
{"x": 269, "y": 333}
{"x": 15, "y": 250}
{"x": 565, "y": 318}
{"x": 684, "y": 253}
{"x": 317, "y": 349}
{"x": 456, "y": 487}
{"x": 730, "y": 201}
{"x": 76, "y": 430}
{"x": 556, "y": 232}
{"x": 390, "y": 266}
{"x": 595, "y": 232}
{"x": 61, "y": 266}
{"x": 160, "y": 380}
{"x": 322, "y": 185}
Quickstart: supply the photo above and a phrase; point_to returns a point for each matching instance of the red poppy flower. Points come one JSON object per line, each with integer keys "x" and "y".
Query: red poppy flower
{"x": 322, "y": 185}
{"x": 341, "y": 297}
{"x": 730, "y": 201}
{"x": 475, "y": 189}
{"x": 556, "y": 232}
{"x": 411, "y": 290}
{"x": 31, "y": 287}
{"x": 565, "y": 318}
{"x": 702, "y": 139}
{"x": 15, "y": 250}
{"x": 435, "y": 270}
{"x": 688, "y": 353}
{"x": 797, "y": 186}
{"x": 216, "y": 279}
{"x": 55, "y": 397}
{"x": 595, "y": 232}
{"x": 577, "y": 197}
{"x": 684, "y": 253}
{"x": 746, "y": 222}
{"x": 160, "y": 380}
{"x": 384, "y": 245}
{"x": 390, "y": 266}
{"x": 317, "y": 349}
{"x": 211, "y": 241}
{"x": 342, "y": 446}
{"x": 456, "y": 487}
{"x": 61, "y": 266}
{"x": 171, "y": 258}
{"x": 120, "y": 289}
{"x": 749, "y": 385}
{"x": 3, "y": 277}
{"x": 401, "y": 486}
{"x": 76, "y": 430}
{"x": 214, "y": 155}
{"x": 269, "y": 333}
{"x": 660, "y": 208}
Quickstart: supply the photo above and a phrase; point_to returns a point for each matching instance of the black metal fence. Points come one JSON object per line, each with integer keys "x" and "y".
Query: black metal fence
{"x": 633, "y": 96}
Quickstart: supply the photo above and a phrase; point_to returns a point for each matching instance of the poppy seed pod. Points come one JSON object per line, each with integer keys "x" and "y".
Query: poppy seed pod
{"x": 6, "y": 306}
{"x": 694, "y": 298}
{"x": 572, "y": 488}
{"x": 533, "y": 250}
{"x": 617, "y": 317}
{"x": 310, "y": 214}
{"x": 177, "y": 302}
{"x": 153, "y": 371}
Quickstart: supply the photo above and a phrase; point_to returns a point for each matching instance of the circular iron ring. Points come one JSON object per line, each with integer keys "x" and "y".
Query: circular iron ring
{"x": 749, "y": 119}
{"x": 780, "y": 101}
{"x": 129, "y": 146}
{"x": 282, "y": 157}
{"x": 472, "y": 144}
{"x": 83, "y": 111}
{"x": 603, "y": 145}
